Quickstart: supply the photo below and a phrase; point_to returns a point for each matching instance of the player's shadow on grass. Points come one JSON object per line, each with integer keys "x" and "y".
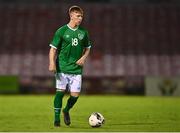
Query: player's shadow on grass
{"x": 78, "y": 127}
{"x": 133, "y": 123}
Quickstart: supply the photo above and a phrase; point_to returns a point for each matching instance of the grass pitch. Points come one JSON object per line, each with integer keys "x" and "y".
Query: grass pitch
{"x": 122, "y": 113}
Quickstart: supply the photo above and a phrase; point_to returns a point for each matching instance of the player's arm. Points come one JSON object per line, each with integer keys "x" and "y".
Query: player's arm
{"x": 81, "y": 61}
{"x": 52, "y": 59}
{"x": 52, "y": 52}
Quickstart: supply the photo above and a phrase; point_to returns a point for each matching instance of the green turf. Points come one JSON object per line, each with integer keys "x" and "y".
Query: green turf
{"x": 35, "y": 113}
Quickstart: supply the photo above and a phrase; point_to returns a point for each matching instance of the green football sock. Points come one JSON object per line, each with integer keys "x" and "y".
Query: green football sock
{"x": 71, "y": 101}
{"x": 58, "y": 104}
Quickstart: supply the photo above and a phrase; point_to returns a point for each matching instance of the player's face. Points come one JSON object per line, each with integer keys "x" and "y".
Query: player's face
{"x": 76, "y": 17}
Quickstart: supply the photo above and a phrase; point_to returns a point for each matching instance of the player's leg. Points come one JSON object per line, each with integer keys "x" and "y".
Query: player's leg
{"x": 60, "y": 89}
{"x": 57, "y": 107}
{"x": 70, "y": 103}
{"x": 75, "y": 88}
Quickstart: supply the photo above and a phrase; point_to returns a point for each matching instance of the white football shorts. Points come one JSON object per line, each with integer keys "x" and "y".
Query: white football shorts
{"x": 70, "y": 81}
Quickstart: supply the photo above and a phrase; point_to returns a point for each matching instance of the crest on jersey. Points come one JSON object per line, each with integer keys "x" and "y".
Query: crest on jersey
{"x": 80, "y": 36}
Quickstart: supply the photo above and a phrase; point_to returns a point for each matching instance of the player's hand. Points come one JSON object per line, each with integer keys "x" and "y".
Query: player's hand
{"x": 80, "y": 62}
{"x": 52, "y": 68}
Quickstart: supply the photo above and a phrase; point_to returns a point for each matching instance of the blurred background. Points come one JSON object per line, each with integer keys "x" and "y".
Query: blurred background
{"x": 136, "y": 46}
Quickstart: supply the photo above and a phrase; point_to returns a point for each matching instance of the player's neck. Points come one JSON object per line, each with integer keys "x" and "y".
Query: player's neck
{"x": 72, "y": 25}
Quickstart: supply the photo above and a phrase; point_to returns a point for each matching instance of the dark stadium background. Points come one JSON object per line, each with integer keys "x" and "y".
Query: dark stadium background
{"x": 135, "y": 43}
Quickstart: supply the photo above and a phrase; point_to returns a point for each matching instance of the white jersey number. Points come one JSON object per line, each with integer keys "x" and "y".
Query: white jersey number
{"x": 74, "y": 41}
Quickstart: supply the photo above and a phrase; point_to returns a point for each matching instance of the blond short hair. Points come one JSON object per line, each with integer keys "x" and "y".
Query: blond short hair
{"x": 75, "y": 8}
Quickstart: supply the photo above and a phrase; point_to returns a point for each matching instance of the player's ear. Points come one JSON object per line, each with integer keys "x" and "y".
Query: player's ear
{"x": 70, "y": 15}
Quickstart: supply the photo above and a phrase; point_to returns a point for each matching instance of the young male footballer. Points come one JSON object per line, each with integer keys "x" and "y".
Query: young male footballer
{"x": 70, "y": 47}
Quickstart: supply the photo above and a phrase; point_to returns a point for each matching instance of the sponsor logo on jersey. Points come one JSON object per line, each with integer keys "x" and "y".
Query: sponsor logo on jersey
{"x": 80, "y": 36}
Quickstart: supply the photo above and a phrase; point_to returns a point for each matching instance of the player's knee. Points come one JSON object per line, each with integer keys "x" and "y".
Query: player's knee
{"x": 62, "y": 90}
{"x": 75, "y": 94}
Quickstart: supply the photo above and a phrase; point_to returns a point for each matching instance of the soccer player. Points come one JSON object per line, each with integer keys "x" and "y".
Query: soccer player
{"x": 70, "y": 47}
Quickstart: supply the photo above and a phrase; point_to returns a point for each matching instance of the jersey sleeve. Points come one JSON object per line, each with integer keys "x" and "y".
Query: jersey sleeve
{"x": 87, "y": 43}
{"x": 56, "y": 39}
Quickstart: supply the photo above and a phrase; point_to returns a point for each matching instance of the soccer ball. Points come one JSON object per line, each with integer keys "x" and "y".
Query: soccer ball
{"x": 96, "y": 119}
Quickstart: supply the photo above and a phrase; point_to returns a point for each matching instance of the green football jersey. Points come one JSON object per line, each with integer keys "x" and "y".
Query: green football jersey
{"x": 70, "y": 44}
